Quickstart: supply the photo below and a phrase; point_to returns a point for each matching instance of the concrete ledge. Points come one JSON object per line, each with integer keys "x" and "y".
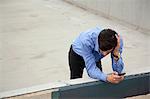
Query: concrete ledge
{"x": 32, "y": 90}
{"x": 133, "y": 85}
{"x": 40, "y": 90}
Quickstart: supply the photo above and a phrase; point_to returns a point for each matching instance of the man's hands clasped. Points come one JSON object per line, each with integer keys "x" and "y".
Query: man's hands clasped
{"x": 114, "y": 78}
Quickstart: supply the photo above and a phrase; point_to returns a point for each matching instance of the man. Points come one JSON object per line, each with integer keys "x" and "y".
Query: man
{"x": 89, "y": 48}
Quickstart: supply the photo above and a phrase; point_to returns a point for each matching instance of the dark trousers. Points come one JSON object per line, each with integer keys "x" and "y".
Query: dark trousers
{"x": 77, "y": 64}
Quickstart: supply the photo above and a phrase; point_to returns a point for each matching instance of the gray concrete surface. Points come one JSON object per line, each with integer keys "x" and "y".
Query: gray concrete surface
{"x": 135, "y": 12}
{"x": 140, "y": 97}
{"x": 36, "y": 95}
{"x": 36, "y": 35}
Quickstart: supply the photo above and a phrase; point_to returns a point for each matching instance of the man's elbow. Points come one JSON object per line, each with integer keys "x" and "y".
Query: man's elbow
{"x": 90, "y": 74}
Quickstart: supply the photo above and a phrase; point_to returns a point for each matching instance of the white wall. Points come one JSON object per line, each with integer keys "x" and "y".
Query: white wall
{"x": 135, "y": 12}
{"x": 0, "y": 79}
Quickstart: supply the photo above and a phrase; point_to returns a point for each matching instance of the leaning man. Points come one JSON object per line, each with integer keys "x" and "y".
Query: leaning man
{"x": 89, "y": 48}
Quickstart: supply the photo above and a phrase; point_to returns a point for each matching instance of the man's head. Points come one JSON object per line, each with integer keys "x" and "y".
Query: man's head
{"x": 107, "y": 40}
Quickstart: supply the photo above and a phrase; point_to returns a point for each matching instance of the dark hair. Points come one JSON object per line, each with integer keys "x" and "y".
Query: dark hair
{"x": 107, "y": 39}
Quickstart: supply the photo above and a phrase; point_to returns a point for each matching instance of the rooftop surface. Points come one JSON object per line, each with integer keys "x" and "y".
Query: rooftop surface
{"x": 36, "y": 36}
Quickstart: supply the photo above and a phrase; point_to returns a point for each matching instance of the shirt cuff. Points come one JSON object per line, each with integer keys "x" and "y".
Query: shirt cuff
{"x": 118, "y": 61}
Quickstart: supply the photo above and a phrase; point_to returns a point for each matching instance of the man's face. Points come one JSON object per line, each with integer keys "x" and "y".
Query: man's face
{"x": 106, "y": 52}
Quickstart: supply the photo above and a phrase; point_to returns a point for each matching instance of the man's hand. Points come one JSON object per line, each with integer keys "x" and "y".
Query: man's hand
{"x": 116, "y": 50}
{"x": 114, "y": 78}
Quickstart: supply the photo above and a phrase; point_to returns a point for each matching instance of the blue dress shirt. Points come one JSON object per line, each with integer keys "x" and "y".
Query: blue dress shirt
{"x": 86, "y": 45}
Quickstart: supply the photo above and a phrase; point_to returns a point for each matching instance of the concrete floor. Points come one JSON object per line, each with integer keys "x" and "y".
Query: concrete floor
{"x": 36, "y": 35}
{"x": 140, "y": 97}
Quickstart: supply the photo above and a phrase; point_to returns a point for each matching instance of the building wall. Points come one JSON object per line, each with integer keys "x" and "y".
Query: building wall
{"x": 135, "y": 12}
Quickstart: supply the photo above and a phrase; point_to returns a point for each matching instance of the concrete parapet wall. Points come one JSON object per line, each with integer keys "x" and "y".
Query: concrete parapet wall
{"x": 83, "y": 89}
{"x": 134, "y": 12}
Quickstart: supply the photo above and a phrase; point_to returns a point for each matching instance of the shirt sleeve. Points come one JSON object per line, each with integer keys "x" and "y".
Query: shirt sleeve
{"x": 92, "y": 70}
{"x": 118, "y": 65}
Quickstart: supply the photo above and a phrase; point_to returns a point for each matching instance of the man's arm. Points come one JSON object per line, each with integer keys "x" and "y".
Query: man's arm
{"x": 92, "y": 70}
{"x": 117, "y": 61}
